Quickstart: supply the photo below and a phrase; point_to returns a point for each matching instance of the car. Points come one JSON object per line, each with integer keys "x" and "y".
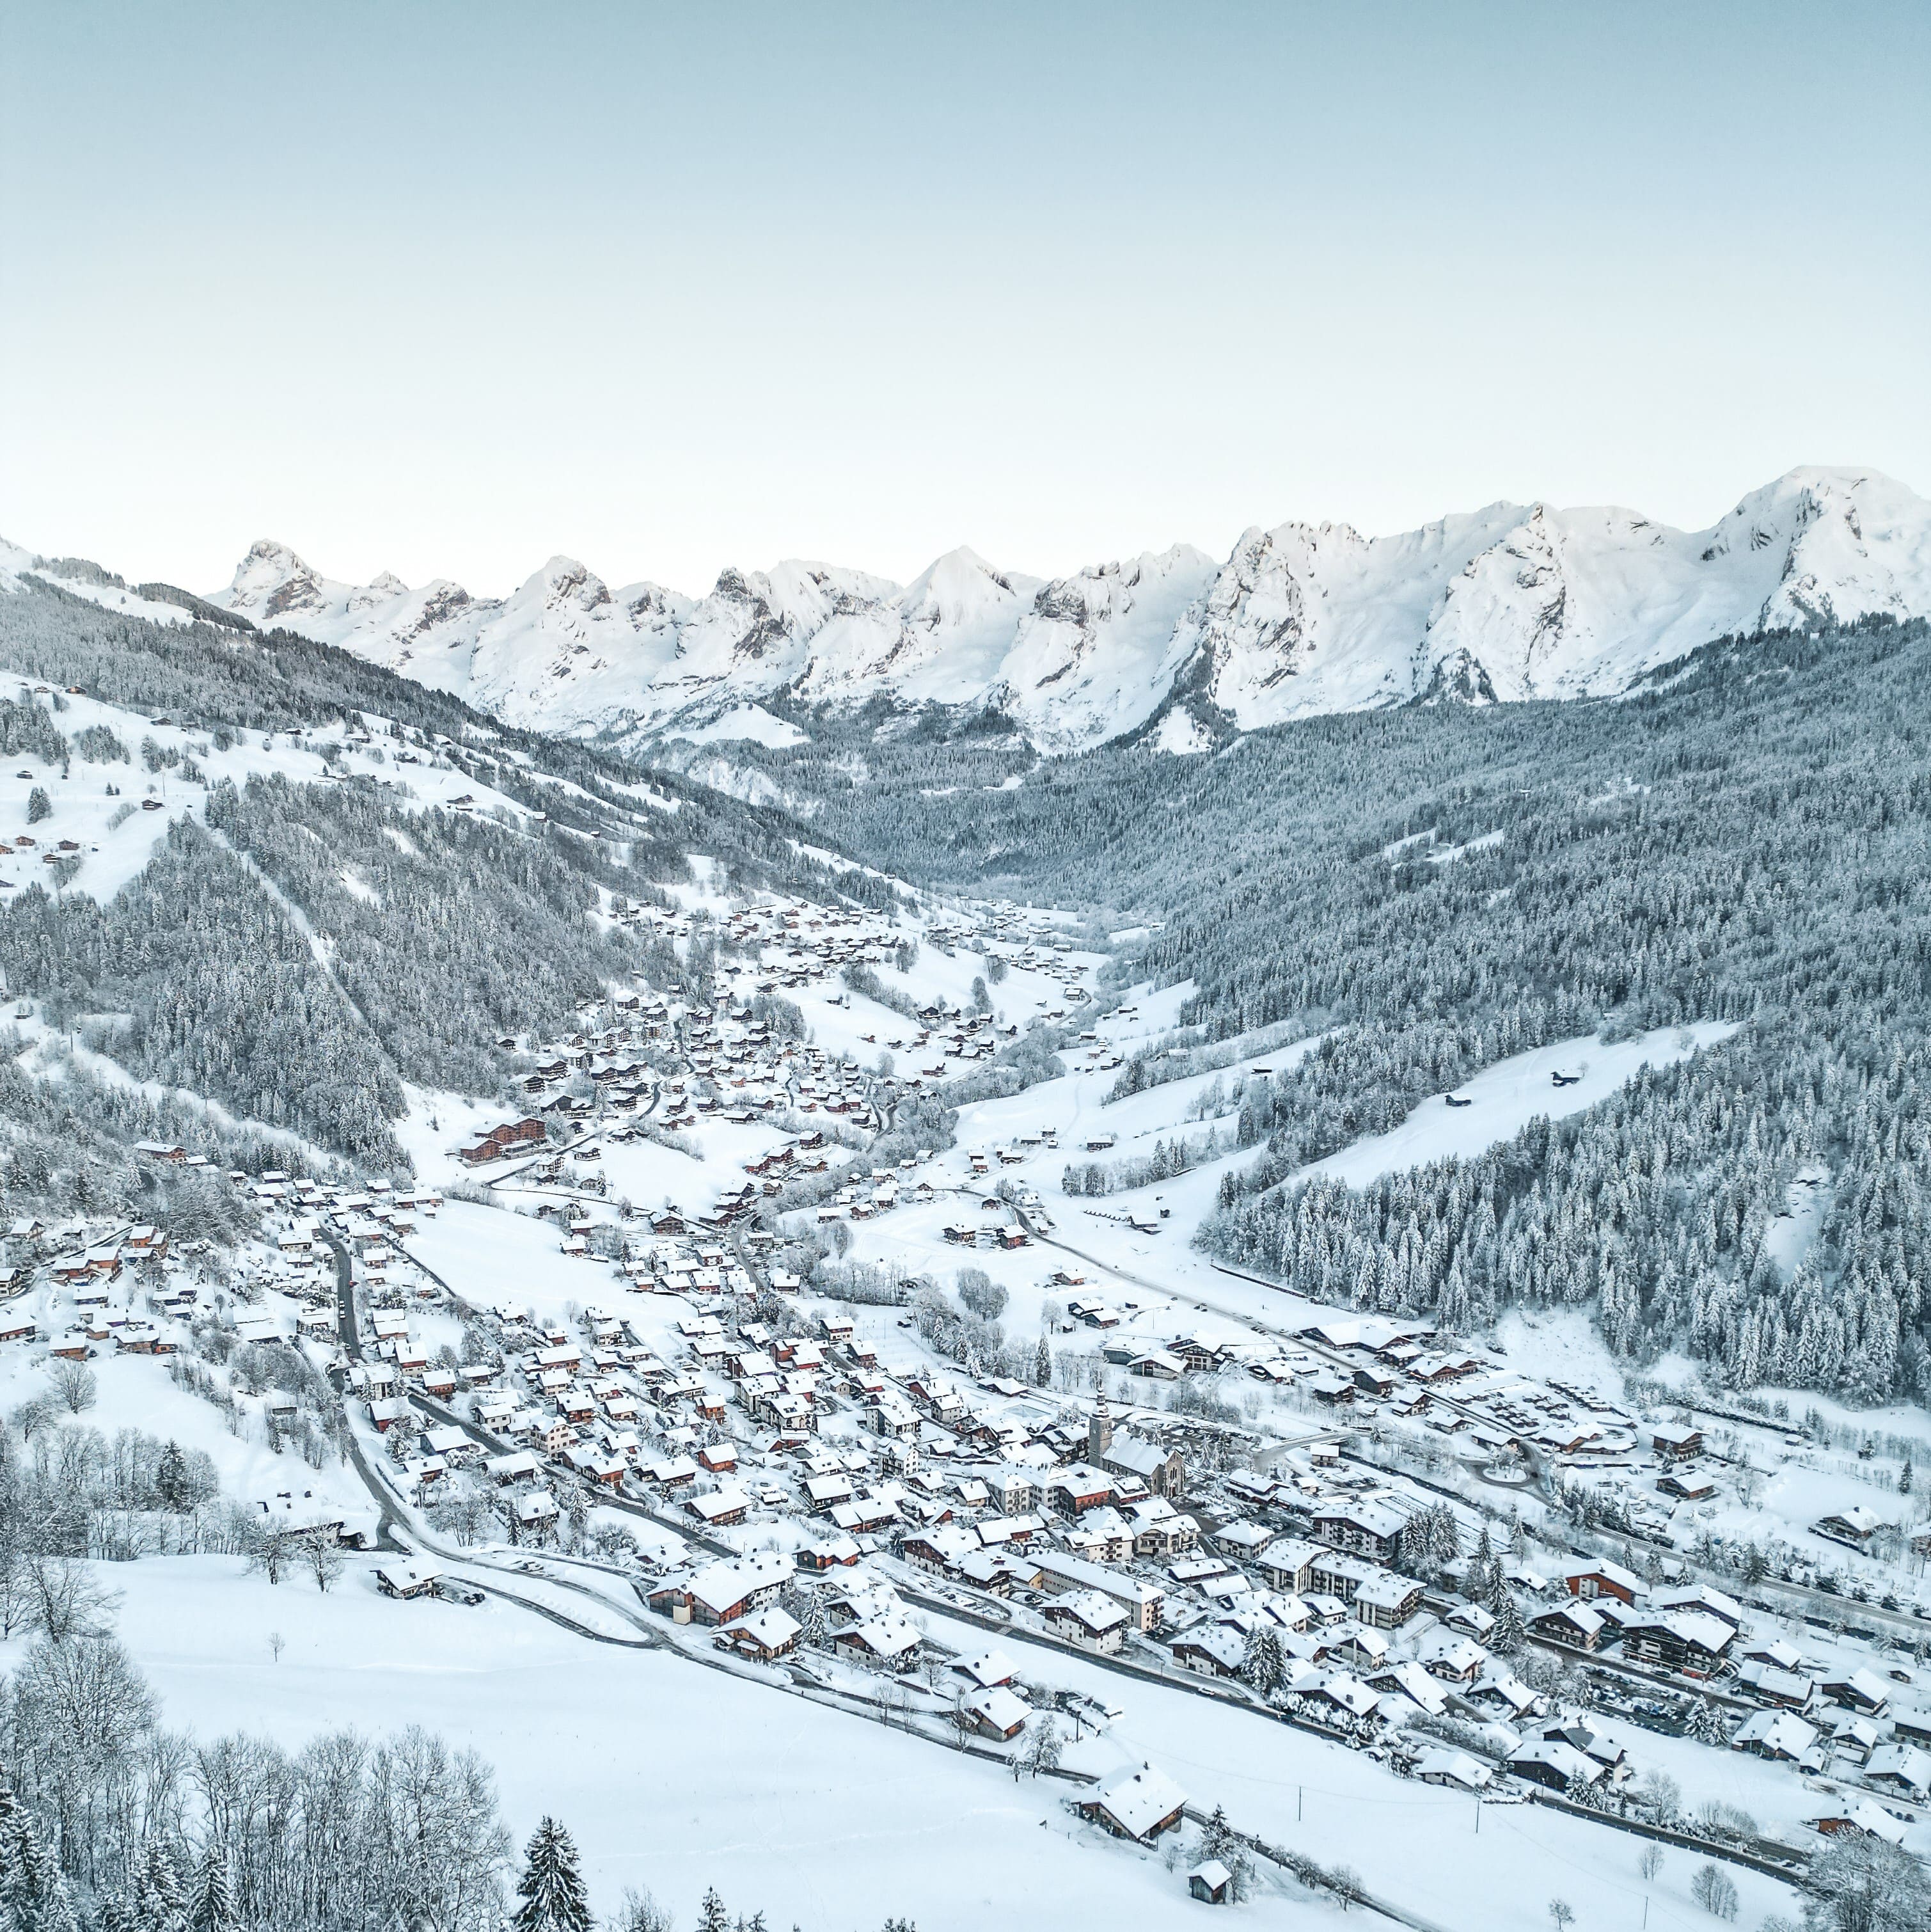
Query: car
{"x": 532, "y": 1569}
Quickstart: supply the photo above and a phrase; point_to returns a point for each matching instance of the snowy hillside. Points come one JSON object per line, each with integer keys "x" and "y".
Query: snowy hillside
{"x": 1497, "y": 604}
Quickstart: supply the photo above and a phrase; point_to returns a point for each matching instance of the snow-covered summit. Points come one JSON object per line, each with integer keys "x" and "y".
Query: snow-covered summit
{"x": 1508, "y": 601}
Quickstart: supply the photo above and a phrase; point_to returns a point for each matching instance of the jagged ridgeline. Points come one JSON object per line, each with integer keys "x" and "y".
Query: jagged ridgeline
{"x": 1747, "y": 839}
{"x": 243, "y": 965}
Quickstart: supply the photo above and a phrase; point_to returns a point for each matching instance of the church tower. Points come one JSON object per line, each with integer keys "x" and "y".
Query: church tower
{"x": 1099, "y": 1432}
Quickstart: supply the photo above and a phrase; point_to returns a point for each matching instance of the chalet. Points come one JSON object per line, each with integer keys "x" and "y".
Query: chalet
{"x": 143, "y": 1338}
{"x": 1597, "y": 1746}
{"x": 1088, "y": 1619}
{"x": 406, "y": 1580}
{"x": 1411, "y": 1681}
{"x": 988, "y": 1670}
{"x": 718, "y": 1509}
{"x": 832, "y": 1552}
{"x": 1786, "y": 1690}
{"x": 997, "y": 1712}
{"x": 1503, "y": 1694}
{"x": 1687, "y": 1486}
{"x": 1776, "y": 1734}
{"x": 1347, "y": 1698}
{"x": 1855, "y": 1526}
{"x": 1858, "y": 1691}
{"x": 769, "y": 1634}
{"x": 1440, "y": 1765}
{"x": 1903, "y": 1768}
{"x": 1676, "y": 1442}
{"x": 722, "y": 1592}
{"x": 1453, "y": 1657}
{"x": 1135, "y": 1802}
{"x": 1690, "y": 1641}
{"x": 1603, "y": 1580}
{"x": 940, "y": 1549}
{"x": 518, "y": 1467}
{"x": 1214, "y": 1650}
{"x": 1859, "y": 1815}
{"x": 889, "y": 1640}
{"x": 536, "y": 1511}
{"x": 1575, "y": 1624}
{"x": 1554, "y": 1764}
{"x": 1913, "y": 1726}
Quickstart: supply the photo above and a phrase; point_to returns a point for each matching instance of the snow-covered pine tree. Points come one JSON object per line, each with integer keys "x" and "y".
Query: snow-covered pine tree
{"x": 551, "y": 1884}
{"x": 1510, "y": 1633}
{"x": 161, "y": 1901}
{"x": 214, "y": 1910}
{"x": 1707, "y": 1724}
{"x": 33, "y": 1894}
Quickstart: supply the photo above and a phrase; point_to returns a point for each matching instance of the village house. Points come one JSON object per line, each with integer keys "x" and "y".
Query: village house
{"x": 1676, "y": 1442}
{"x": 1088, "y": 1619}
{"x": 1369, "y": 1529}
{"x": 723, "y": 1592}
{"x": 405, "y": 1580}
{"x": 1603, "y": 1579}
{"x": 1135, "y": 1801}
{"x": 997, "y": 1712}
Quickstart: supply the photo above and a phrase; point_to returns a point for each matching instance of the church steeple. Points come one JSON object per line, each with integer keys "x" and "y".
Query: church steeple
{"x": 1099, "y": 1432}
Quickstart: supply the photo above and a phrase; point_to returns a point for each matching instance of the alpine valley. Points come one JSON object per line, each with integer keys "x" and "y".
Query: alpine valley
{"x": 976, "y": 1253}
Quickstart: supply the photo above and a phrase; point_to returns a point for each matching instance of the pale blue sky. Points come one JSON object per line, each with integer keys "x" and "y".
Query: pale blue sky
{"x": 446, "y": 289}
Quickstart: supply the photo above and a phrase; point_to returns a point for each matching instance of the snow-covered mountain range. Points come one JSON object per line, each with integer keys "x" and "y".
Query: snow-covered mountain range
{"x": 1502, "y": 603}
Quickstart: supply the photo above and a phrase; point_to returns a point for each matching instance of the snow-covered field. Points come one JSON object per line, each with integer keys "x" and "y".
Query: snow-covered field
{"x": 670, "y": 1775}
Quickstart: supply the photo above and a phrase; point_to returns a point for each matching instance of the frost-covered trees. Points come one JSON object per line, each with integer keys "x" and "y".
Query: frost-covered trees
{"x": 1717, "y": 850}
{"x": 981, "y": 1293}
{"x": 1429, "y": 1541}
{"x": 1861, "y": 1884}
{"x": 39, "y": 806}
{"x": 1715, "y": 1891}
{"x": 344, "y": 1832}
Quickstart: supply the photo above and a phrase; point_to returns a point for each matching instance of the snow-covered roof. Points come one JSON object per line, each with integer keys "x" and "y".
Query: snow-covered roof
{"x": 990, "y": 1667}
{"x": 1454, "y": 1766}
{"x": 1137, "y": 1798}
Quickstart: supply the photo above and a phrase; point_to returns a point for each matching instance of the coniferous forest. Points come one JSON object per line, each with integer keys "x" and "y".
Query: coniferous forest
{"x": 1430, "y": 890}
